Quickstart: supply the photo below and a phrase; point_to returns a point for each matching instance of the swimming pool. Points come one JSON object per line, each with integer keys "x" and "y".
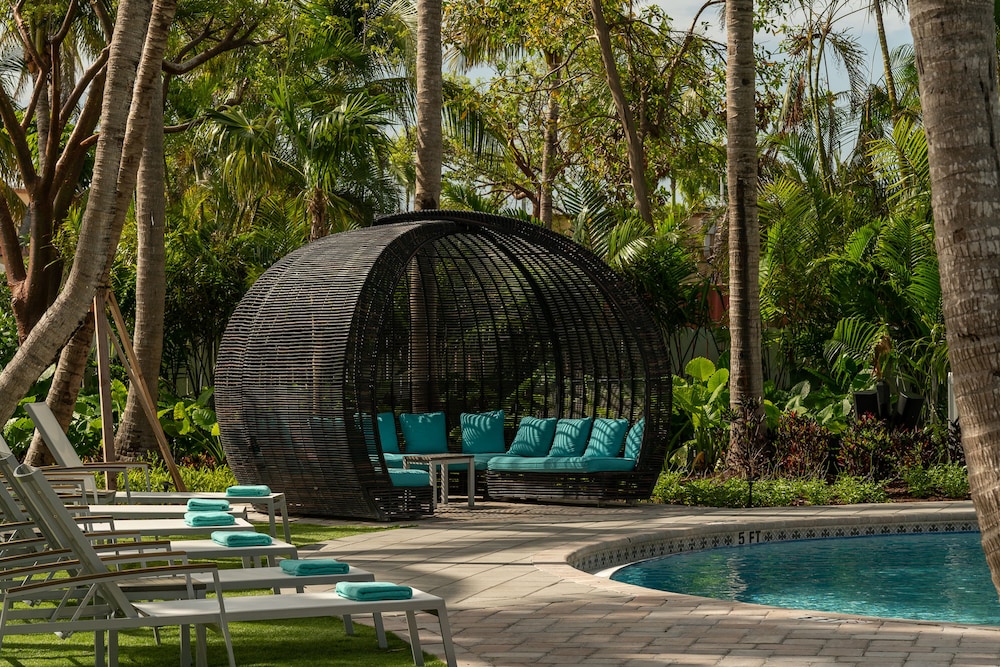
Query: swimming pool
{"x": 931, "y": 577}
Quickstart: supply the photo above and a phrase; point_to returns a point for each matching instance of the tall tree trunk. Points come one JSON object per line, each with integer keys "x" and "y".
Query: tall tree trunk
{"x": 135, "y": 434}
{"x": 429, "y": 103}
{"x": 553, "y": 61}
{"x": 318, "y": 227}
{"x": 883, "y": 43}
{"x": 636, "y": 157}
{"x": 65, "y": 387}
{"x": 955, "y": 48}
{"x": 125, "y": 110}
{"x": 746, "y": 373}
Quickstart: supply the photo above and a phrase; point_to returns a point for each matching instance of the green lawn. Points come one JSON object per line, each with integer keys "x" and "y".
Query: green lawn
{"x": 305, "y": 643}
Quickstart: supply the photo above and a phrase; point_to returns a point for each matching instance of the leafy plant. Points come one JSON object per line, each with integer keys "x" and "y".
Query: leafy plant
{"x": 703, "y": 400}
{"x": 194, "y": 427}
{"x": 674, "y": 488}
{"x": 802, "y": 447}
{"x": 866, "y": 450}
{"x": 949, "y": 480}
{"x": 826, "y": 407}
{"x": 849, "y": 489}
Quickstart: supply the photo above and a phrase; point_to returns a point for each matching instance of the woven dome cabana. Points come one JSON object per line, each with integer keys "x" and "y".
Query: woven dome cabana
{"x": 423, "y": 312}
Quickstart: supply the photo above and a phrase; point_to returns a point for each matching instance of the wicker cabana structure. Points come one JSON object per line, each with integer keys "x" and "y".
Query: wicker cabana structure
{"x": 432, "y": 311}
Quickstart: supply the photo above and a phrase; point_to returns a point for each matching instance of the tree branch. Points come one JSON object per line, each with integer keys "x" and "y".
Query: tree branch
{"x": 81, "y": 85}
{"x": 107, "y": 25}
{"x": 227, "y": 43}
{"x": 10, "y": 244}
{"x": 25, "y": 163}
{"x": 58, "y": 38}
{"x": 27, "y": 42}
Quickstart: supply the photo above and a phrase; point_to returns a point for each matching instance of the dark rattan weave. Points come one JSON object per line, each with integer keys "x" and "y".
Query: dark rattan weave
{"x": 437, "y": 310}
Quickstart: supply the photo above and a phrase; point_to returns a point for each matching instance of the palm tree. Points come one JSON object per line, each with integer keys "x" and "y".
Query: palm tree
{"x": 430, "y": 145}
{"x": 955, "y": 43}
{"x": 333, "y": 157}
{"x": 746, "y": 371}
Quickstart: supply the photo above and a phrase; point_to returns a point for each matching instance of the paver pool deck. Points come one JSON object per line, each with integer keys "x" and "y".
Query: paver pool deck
{"x": 514, "y": 600}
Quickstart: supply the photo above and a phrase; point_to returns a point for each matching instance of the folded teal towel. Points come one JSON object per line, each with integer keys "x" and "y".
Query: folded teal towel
{"x": 207, "y": 505}
{"x": 209, "y": 519}
{"x": 240, "y": 538}
{"x": 373, "y": 590}
{"x": 314, "y": 566}
{"x": 250, "y": 490}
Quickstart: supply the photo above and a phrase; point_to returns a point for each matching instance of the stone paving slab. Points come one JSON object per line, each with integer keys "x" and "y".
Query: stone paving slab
{"x": 514, "y": 600}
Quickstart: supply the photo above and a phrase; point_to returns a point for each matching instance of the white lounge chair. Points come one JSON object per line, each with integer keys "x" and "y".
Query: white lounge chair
{"x": 70, "y": 464}
{"x": 56, "y": 522}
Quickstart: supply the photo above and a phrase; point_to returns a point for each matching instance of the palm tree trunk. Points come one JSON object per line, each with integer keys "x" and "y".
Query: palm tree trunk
{"x": 65, "y": 387}
{"x": 135, "y": 434}
{"x": 429, "y": 102}
{"x": 636, "y": 157}
{"x": 746, "y": 374}
{"x": 553, "y": 61}
{"x": 883, "y": 42}
{"x": 955, "y": 48}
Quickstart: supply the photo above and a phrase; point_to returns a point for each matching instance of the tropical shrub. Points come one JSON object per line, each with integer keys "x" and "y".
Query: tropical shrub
{"x": 866, "y": 450}
{"x": 675, "y": 488}
{"x": 703, "y": 402}
{"x": 851, "y": 490}
{"x": 802, "y": 447}
{"x": 193, "y": 427}
{"x": 949, "y": 480}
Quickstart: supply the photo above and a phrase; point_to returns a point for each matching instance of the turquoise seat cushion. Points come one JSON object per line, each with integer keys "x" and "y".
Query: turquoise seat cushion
{"x": 481, "y": 461}
{"x": 409, "y": 477}
{"x": 393, "y": 460}
{"x": 387, "y": 432}
{"x": 571, "y": 436}
{"x": 482, "y": 432}
{"x": 606, "y": 437}
{"x": 633, "y": 442}
{"x": 424, "y": 433}
{"x": 534, "y": 436}
{"x": 558, "y": 464}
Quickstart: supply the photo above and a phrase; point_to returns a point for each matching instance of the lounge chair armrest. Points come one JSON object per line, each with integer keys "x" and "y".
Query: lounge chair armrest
{"x": 31, "y": 590}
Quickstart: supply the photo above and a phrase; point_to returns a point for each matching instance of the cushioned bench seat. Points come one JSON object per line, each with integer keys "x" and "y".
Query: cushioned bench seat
{"x": 481, "y": 461}
{"x": 561, "y": 464}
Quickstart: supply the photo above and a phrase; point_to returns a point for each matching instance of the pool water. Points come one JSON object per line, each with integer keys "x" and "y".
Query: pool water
{"x": 930, "y": 577}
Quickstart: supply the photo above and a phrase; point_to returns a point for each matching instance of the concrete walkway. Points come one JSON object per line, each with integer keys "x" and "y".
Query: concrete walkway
{"x": 513, "y": 600}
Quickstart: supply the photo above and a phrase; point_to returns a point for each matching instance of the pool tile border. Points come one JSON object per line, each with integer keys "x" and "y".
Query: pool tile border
{"x": 596, "y": 558}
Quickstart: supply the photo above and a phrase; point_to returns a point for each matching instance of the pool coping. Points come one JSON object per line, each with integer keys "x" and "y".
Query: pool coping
{"x": 599, "y": 557}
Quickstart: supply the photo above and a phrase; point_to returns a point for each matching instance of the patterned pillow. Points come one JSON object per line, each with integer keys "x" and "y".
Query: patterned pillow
{"x": 534, "y": 436}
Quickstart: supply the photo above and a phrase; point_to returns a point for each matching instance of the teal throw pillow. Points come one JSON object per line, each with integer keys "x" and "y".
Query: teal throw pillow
{"x": 633, "y": 442}
{"x": 534, "y": 436}
{"x": 482, "y": 432}
{"x": 571, "y": 437}
{"x": 606, "y": 437}
{"x": 387, "y": 432}
{"x": 424, "y": 433}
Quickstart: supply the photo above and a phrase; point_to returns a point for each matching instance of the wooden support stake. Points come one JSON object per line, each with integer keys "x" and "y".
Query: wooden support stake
{"x": 104, "y": 379}
{"x": 123, "y": 346}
